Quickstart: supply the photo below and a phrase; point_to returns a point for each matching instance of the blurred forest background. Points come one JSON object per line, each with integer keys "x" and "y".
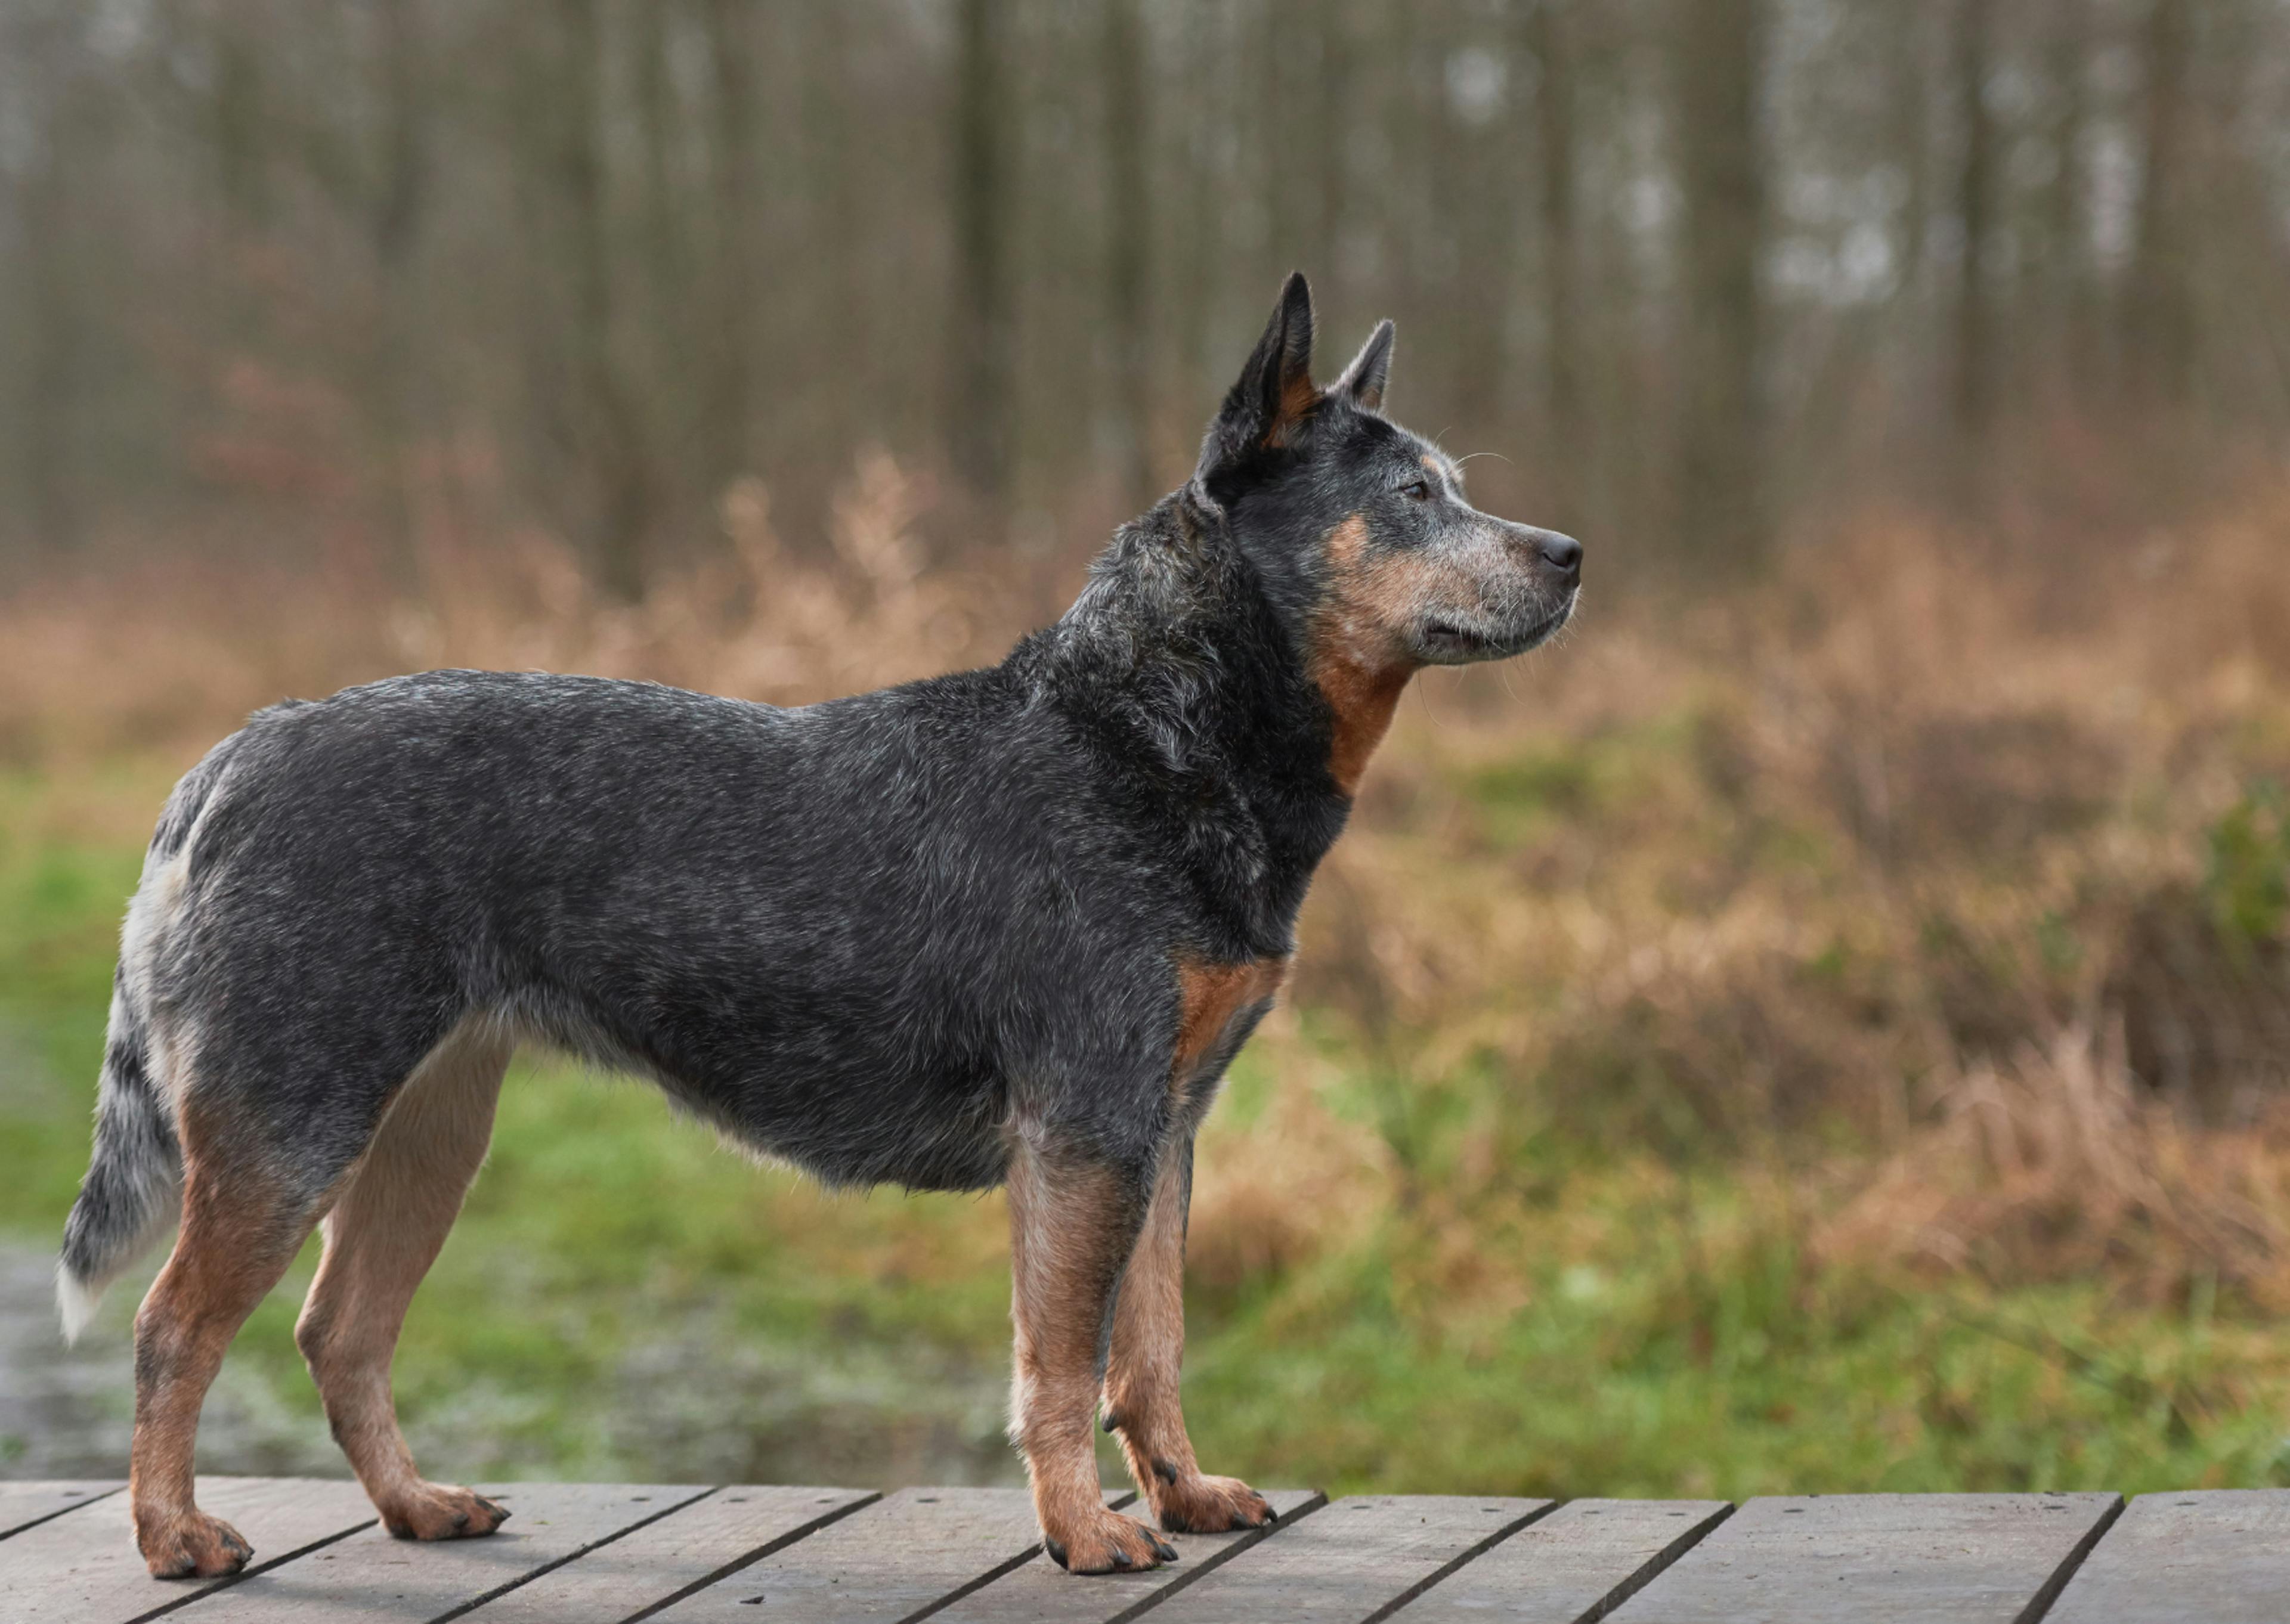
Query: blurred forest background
{"x": 1824, "y": 1026}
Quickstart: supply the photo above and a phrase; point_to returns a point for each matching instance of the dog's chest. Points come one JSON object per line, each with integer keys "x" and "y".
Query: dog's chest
{"x": 1219, "y": 1002}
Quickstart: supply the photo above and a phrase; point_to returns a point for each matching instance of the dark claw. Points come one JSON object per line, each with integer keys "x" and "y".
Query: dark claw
{"x": 1165, "y": 1472}
{"x": 1121, "y": 1558}
{"x": 1109, "y": 1423}
{"x": 1057, "y": 1553}
{"x": 1271, "y": 1515}
{"x": 1167, "y": 1552}
{"x": 461, "y": 1522}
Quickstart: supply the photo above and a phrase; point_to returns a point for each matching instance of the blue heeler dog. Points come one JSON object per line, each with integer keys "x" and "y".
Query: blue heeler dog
{"x": 1003, "y": 927}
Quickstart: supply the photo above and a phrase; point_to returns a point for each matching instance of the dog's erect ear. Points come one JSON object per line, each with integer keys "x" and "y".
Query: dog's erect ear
{"x": 1362, "y": 383}
{"x": 1275, "y": 393}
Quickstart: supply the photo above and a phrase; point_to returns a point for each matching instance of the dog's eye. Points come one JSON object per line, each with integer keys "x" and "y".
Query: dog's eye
{"x": 1419, "y": 492}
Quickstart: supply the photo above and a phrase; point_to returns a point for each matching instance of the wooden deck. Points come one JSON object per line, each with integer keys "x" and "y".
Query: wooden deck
{"x": 576, "y": 1553}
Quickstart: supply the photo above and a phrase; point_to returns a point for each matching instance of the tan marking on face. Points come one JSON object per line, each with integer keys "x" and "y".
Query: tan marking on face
{"x": 1358, "y": 656}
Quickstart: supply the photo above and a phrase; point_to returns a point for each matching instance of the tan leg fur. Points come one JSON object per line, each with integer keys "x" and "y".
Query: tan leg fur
{"x": 384, "y": 1231}
{"x": 1141, "y": 1386}
{"x": 238, "y": 1235}
{"x": 1072, "y": 1229}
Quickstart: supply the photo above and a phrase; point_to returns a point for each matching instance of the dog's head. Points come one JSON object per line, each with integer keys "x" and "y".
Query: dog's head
{"x": 1360, "y": 529}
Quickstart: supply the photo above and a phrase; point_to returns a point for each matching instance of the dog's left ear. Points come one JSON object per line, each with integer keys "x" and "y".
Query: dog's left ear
{"x": 1275, "y": 393}
{"x": 1363, "y": 381}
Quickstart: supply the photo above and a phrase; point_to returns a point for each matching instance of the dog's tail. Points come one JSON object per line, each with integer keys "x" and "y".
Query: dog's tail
{"x": 135, "y": 1182}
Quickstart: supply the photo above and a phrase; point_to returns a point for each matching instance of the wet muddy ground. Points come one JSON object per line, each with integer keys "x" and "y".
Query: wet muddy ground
{"x": 688, "y": 1404}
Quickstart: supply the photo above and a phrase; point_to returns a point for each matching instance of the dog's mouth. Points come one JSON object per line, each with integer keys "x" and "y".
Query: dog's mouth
{"x": 1446, "y": 637}
{"x": 1448, "y": 641}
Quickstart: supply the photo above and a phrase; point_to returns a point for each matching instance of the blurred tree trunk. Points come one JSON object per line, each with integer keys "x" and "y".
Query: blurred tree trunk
{"x": 2065, "y": 286}
{"x": 53, "y": 323}
{"x": 1975, "y": 365}
{"x": 1550, "y": 48}
{"x": 1337, "y": 115}
{"x": 238, "y": 119}
{"x": 400, "y": 198}
{"x": 979, "y": 424}
{"x": 834, "y": 212}
{"x": 1485, "y": 115}
{"x": 610, "y": 435}
{"x": 1719, "y": 48}
{"x": 731, "y": 404}
{"x": 1129, "y": 236}
{"x": 2162, "y": 299}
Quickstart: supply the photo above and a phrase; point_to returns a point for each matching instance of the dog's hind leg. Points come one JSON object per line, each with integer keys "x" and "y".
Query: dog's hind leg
{"x": 241, "y": 1229}
{"x": 1141, "y": 1381}
{"x": 1074, "y": 1219}
{"x": 384, "y": 1231}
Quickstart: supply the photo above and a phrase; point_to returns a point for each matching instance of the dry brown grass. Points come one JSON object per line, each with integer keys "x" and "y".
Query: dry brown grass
{"x": 170, "y": 653}
{"x": 1896, "y": 875}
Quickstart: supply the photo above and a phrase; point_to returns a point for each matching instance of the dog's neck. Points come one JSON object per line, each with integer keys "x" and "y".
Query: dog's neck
{"x": 1175, "y": 650}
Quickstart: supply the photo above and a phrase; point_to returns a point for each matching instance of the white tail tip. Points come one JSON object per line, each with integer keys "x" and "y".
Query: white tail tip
{"x": 74, "y": 1303}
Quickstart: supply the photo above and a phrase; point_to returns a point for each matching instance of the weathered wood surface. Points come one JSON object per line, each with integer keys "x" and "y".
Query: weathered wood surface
{"x": 1350, "y": 1561}
{"x": 906, "y": 1553}
{"x": 82, "y": 1568}
{"x": 698, "y": 1543}
{"x": 1893, "y": 1558}
{"x": 1584, "y": 1558}
{"x": 369, "y": 1575}
{"x": 616, "y": 1554}
{"x": 1040, "y": 1592}
{"x": 2221, "y": 1555}
{"x": 22, "y": 1505}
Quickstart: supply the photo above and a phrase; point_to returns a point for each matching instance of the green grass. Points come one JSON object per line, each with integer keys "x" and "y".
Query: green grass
{"x": 624, "y": 1298}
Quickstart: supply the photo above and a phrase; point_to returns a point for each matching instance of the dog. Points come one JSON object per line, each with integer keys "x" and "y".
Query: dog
{"x": 1002, "y": 927}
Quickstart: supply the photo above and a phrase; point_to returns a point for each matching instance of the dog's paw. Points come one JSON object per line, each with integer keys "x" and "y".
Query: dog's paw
{"x": 1106, "y": 1542}
{"x": 1209, "y": 1505}
{"x": 193, "y": 1546}
{"x": 437, "y": 1511}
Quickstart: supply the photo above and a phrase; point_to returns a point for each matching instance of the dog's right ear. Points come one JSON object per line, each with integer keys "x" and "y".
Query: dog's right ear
{"x": 1275, "y": 394}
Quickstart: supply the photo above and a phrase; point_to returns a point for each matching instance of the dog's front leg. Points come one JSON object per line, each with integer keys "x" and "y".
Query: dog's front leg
{"x": 1141, "y": 1385}
{"x": 1073, "y": 1221}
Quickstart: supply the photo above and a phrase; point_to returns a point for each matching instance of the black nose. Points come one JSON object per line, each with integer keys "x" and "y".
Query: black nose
{"x": 1562, "y": 553}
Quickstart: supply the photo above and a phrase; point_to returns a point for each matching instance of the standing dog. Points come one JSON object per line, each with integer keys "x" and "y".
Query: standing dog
{"x": 1006, "y": 927}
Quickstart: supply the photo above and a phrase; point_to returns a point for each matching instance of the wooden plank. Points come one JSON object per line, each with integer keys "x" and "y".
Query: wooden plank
{"x": 2222, "y": 1556}
{"x": 1357, "y": 1559}
{"x": 371, "y": 1575}
{"x": 24, "y": 1505}
{"x": 1580, "y": 1562}
{"x": 1040, "y": 1592}
{"x": 1901, "y": 1558}
{"x": 693, "y": 1546}
{"x": 83, "y": 1569}
{"x": 908, "y": 1552}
